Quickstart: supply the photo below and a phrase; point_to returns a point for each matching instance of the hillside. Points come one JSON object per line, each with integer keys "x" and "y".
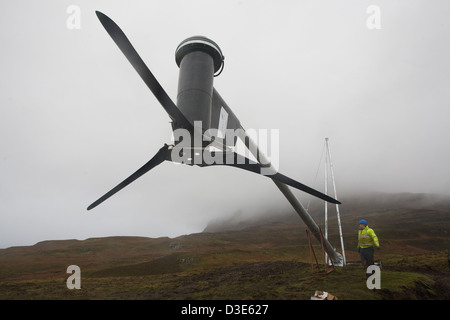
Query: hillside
{"x": 258, "y": 258}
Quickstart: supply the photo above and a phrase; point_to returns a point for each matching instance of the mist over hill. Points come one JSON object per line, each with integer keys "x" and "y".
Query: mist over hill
{"x": 358, "y": 205}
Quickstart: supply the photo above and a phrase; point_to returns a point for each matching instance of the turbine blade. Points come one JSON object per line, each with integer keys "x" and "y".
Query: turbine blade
{"x": 160, "y": 156}
{"x": 249, "y": 165}
{"x": 300, "y": 186}
{"x": 138, "y": 64}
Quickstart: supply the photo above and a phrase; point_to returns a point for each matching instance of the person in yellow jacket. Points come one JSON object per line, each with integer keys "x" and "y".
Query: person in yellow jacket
{"x": 367, "y": 242}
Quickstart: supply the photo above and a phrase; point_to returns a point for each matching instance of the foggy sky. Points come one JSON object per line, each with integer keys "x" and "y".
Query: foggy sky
{"x": 76, "y": 119}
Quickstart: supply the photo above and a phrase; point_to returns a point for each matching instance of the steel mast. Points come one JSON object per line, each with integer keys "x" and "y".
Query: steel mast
{"x": 328, "y": 159}
{"x": 310, "y": 223}
{"x": 326, "y": 203}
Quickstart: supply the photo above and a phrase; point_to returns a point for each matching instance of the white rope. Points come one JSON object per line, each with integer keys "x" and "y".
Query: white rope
{"x": 317, "y": 172}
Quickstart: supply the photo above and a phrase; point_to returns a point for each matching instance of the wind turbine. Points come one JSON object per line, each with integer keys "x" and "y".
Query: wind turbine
{"x": 204, "y": 124}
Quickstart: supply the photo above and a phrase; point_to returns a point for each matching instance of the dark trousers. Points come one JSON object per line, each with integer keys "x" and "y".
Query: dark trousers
{"x": 366, "y": 256}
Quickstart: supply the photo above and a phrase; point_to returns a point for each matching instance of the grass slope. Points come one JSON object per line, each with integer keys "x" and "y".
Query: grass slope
{"x": 267, "y": 260}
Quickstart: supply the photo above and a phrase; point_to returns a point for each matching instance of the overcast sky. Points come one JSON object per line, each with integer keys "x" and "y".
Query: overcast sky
{"x": 76, "y": 119}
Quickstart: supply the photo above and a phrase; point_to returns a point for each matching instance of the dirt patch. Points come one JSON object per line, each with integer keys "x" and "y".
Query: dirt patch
{"x": 237, "y": 277}
{"x": 441, "y": 285}
{"x": 420, "y": 291}
{"x": 247, "y": 271}
{"x": 167, "y": 264}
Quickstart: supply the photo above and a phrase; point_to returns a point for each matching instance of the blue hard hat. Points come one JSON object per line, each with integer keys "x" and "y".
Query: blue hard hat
{"x": 363, "y": 222}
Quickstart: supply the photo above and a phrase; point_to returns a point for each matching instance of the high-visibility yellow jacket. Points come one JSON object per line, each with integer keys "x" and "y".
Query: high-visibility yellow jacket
{"x": 367, "y": 238}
